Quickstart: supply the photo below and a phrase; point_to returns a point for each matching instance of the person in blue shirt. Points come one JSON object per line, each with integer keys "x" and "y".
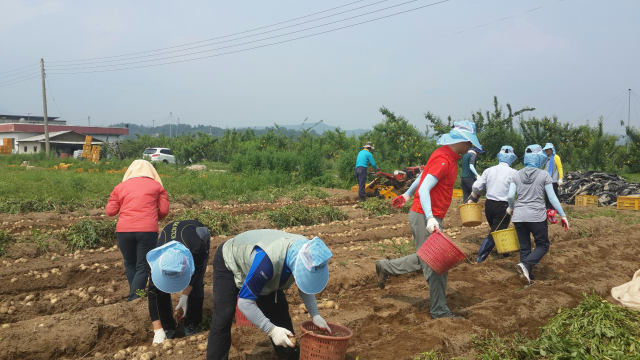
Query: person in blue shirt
{"x": 253, "y": 270}
{"x": 362, "y": 163}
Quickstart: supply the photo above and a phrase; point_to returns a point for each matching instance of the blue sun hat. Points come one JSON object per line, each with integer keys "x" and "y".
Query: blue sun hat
{"x": 534, "y": 156}
{"x": 506, "y": 155}
{"x": 478, "y": 151}
{"x": 171, "y": 267}
{"x": 462, "y": 131}
{"x": 549, "y": 146}
{"x": 308, "y": 260}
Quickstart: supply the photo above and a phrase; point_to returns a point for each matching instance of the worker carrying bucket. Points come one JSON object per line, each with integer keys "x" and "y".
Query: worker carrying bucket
{"x": 496, "y": 180}
{"x": 529, "y": 212}
{"x": 254, "y": 269}
{"x": 430, "y": 204}
{"x": 469, "y": 174}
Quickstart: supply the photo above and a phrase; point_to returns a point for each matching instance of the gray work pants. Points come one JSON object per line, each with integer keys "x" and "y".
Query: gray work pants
{"x": 411, "y": 263}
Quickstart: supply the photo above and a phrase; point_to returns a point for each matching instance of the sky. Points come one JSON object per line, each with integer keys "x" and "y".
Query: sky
{"x": 575, "y": 59}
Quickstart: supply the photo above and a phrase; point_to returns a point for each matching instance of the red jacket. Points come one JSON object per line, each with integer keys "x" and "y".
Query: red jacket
{"x": 141, "y": 202}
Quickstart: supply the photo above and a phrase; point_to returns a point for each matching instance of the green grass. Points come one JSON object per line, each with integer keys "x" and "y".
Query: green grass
{"x": 377, "y": 207}
{"x": 624, "y": 216}
{"x": 632, "y": 178}
{"x": 595, "y": 329}
{"x": 298, "y": 214}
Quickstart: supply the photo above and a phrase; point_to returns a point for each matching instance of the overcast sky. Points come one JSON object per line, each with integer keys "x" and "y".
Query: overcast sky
{"x": 566, "y": 59}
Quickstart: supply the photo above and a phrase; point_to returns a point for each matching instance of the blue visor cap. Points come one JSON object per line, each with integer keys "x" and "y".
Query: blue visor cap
{"x": 462, "y": 131}
{"x": 534, "y": 156}
{"x": 549, "y": 146}
{"x": 171, "y": 267}
{"x": 309, "y": 263}
{"x": 506, "y": 155}
{"x": 478, "y": 151}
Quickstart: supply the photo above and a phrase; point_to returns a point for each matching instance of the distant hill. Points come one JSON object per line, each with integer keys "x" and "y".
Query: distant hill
{"x": 167, "y": 130}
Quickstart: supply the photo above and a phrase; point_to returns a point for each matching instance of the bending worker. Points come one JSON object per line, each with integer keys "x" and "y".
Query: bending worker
{"x": 430, "y": 204}
{"x": 178, "y": 263}
{"x": 496, "y": 180}
{"x": 469, "y": 174}
{"x": 529, "y": 212}
{"x": 554, "y": 168}
{"x": 362, "y": 163}
{"x": 254, "y": 269}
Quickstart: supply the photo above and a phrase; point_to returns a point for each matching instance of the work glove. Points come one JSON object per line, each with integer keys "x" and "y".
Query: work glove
{"x": 472, "y": 198}
{"x": 432, "y": 224}
{"x": 565, "y": 223}
{"x": 560, "y": 182}
{"x": 280, "y": 336}
{"x": 551, "y": 216}
{"x": 319, "y": 322}
{"x": 399, "y": 201}
{"x": 509, "y": 211}
{"x": 182, "y": 303}
{"x": 378, "y": 169}
{"x": 159, "y": 336}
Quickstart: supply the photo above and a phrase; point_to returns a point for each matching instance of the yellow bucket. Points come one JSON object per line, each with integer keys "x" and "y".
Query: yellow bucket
{"x": 471, "y": 214}
{"x": 506, "y": 241}
{"x": 457, "y": 193}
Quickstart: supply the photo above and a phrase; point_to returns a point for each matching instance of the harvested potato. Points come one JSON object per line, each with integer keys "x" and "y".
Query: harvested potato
{"x": 193, "y": 339}
{"x": 329, "y": 305}
{"x": 293, "y": 340}
{"x": 201, "y": 337}
{"x": 100, "y": 300}
{"x": 3, "y": 310}
{"x": 202, "y": 347}
{"x": 336, "y": 307}
{"x": 53, "y": 301}
{"x": 29, "y": 298}
{"x": 120, "y": 355}
{"x": 142, "y": 349}
{"x": 91, "y": 289}
{"x": 181, "y": 343}
{"x": 167, "y": 345}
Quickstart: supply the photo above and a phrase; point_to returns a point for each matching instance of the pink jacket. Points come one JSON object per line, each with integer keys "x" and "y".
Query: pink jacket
{"x": 141, "y": 202}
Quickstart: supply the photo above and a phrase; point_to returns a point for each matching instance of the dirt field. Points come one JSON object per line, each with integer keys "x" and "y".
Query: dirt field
{"x": 595, "y": 255}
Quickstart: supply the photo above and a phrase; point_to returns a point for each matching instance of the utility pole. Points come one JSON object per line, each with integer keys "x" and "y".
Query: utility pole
{"x": 28, "y": 117}
{"x": 89, "y": 120}
{"x": 44, "y": 104}
{"x": 629, "y": 114}
{"x": 177, "y": 124}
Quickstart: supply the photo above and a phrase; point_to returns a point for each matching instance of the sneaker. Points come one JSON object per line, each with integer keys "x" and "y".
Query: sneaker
{"x": 524, "y": 273}
{"x": 169, "y": 333}
{"x": 447, "y": 315}
{"x": 190, "y": 330}
{"x": 382, "y": 276}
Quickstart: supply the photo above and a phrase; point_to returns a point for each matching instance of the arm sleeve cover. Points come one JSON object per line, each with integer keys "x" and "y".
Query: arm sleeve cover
{"x": 512, "y": 195}
{"x": 425, "y": 199}
{"x": 559, "y": 167}
{"x": 310, "y": 303}
{"x": 413, "y": 187}
{"x": 553, "y": 199}
{"x": 251, "y": 311}
{"x": 473, "y": 169}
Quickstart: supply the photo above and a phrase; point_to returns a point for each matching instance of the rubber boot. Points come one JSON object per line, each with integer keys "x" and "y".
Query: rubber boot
{"x": 485, "y": 249}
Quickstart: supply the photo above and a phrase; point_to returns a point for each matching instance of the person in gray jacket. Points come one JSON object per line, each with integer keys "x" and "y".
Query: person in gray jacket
{"x": 254, "y": 268}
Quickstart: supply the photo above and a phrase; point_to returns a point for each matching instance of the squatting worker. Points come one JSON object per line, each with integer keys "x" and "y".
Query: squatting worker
{"x": 468, "y": 175}
{"x": 497, "y": 180}
{"x": 362, "y": 164}
{"x": 430, "y": 204}
{"x": 142, "y": 202}
{"x": 254, "y": 269}
{"x": 178, "y": 263}
{"x": 529, "y": 212}
{"x": 554, "y": 168}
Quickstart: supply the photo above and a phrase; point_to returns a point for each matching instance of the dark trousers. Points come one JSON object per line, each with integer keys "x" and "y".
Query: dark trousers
{"x": 540, "y": 233}
{"x": 361, "y": 175}
{"x": 225, "y": 294}
{"x": 134, "y": 247}
{"x": 161, "y": 308}
{"x": 546, "y": 198}
{"x": 496, "y": 213}
{"x": 467, "y": 187}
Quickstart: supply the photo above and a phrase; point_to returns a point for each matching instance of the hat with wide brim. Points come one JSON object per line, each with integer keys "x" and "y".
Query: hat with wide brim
{"x": 534, "y": 156}
{"x": 309, "y": 264}
{"x": 462, "y": 131}
{"x": 479, "y": 151}
{"x": 171, "y": 267}
{"x": 548, "y": 146}
{"x": 368, "y": 145}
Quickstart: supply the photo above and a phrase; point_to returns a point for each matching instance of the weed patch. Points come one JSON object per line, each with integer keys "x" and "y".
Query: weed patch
{"x": 5, "y": 239}
{"x": 89, "y": 234}
{"x": 218, "y": 223}
{"x": 377, "y": 207}
{"x": 298, "y": 214}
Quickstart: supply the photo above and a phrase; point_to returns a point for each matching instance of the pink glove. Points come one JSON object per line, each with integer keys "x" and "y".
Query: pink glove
{"x": 400, "y": 201}
{"x": 551, "y": 216}
{"x": 565, "y": 223}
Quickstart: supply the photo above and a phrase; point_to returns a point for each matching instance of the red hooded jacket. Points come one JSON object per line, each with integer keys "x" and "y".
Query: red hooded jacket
{"x": 141, "y": 202}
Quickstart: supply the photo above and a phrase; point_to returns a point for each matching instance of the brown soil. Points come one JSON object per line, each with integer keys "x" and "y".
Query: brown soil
{"x": 593, "y": 256}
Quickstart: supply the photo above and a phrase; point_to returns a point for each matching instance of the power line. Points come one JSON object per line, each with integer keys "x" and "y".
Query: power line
{"x": 19, "y": 72}
{"x": 253, "y": 41}
{"x": 587, "y": 114}
{"x": 52, "y": 96}
{"x": 230, "y": 40}
{"x": 17, "y": 82}
{"x": 614, "y": 109}
{"x": 216, "y": 38}
{"x": 24, "y": 67}
{"x": 22, "y": 77}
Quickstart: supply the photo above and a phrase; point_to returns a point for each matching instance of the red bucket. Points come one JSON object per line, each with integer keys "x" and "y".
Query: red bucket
{"x": 320, "y": 347}
{"x": 242, "y": 320}
{"x": 440, "y": 253}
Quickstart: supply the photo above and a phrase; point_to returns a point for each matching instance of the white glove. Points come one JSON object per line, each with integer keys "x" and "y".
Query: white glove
{"x": 182, "y": 303}
{"x": 560, "y": 182}
{"x": 565, "y": 223}
{"x": 319, "y": 322}
{"x": 159, "y": 336}
{"x": 280, "y": 336}
{"x": 432, "y": 224}
{"x": 509, "y": 211}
